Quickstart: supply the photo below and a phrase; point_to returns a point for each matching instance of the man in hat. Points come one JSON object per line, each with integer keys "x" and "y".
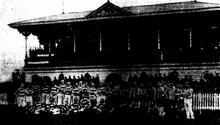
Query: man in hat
{"x": 188, "y": 93}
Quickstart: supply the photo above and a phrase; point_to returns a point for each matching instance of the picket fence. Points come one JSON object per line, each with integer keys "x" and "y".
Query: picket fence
{"x": 206, "y": 101}
{"x": 201, "y": 101}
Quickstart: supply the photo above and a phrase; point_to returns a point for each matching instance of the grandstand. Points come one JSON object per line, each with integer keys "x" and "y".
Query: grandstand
{"x": 122, "y": 50}
{"x": 155, "y": 38}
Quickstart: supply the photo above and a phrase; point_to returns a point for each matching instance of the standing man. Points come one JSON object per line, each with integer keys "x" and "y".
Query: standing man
{"x": 61, "y": 93}
{"x": 29, "y": 95}
{"x": 20, "y": 96}
{"x": 170, "y": 96}
{"x": 45, "y": 93}
{"x": 160, "y": 98}
{"x": 151, "y": 92}
{"x": 68, "y": 93}
{"x": 36, "y": 93}
{"x": 53, "y": 93}
{"x": 76, "y": 93}
{"x": 188, "y": 93}
{"x": 93, "y": 93}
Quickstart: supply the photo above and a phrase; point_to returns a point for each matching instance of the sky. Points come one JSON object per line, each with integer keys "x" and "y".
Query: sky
{"x": 12, "y": 43}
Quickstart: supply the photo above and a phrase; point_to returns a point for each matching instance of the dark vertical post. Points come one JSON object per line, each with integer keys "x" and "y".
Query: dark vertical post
{"x": 159, "y": 44}
{"x": 49, "y": 45}
{"x": 100, "y": 41}
{"x": 74, "y": 41}
{"x": 26, "y": 56}
{"x": 190, "y": 38}
{"x": 129, "y": 41}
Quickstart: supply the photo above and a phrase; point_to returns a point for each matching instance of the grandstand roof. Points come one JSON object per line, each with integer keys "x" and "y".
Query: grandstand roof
{"x": 111, "y": 11}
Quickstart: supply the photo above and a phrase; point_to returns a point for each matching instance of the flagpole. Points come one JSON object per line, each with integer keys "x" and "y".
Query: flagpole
{"x": 62, "y": 6}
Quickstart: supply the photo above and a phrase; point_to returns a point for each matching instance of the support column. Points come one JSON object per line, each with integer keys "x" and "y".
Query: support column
{"x": 190, "y": 38}
{"x": 129, "y": 41}
{"x": 100, "y": 41}
{"x": 25, "y": 34}
{"x": 49, "y": 45}
{"x": 26, "y": 56}
{"x": 159, "y": 44}
{"x": 74, "y": 41}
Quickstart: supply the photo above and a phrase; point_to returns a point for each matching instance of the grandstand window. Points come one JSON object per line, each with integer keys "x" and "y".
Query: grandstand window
{"x": 87, "y": 41}
{"x": 206, "y": 38}
{"x": 175, "y": 39}
{"x": 115, "y": 40}
{"x": 143, "y": 40}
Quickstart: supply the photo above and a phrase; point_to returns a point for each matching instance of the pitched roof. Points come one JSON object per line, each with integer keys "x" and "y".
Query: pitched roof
{"x": 108, "y": 9}
{"x": 168, "y": 7}
{"x": 143, "y": 10}
{"x": 52, "y": 19}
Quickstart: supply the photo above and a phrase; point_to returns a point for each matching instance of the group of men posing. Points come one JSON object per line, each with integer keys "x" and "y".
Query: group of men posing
{"x": 163, "y": 95}
{"x": 62, "y": 94}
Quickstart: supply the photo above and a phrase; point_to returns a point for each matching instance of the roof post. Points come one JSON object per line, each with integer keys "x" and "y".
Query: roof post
{"x": 62, "y": 6}
{"x": 25, "y": 34}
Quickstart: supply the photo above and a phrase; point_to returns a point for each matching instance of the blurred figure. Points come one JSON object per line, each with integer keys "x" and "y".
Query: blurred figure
{"x": 29, "y": 95}
{"x": 61, "y": 93}
{"x": 53, "y": 94}
{"x": 68, "y": 93}
{"x": 20, "y": 96}
{"x": 188, "y": 93}
{"x": 93, "y": 92}
{"x": 36, "y": 92}
{"x": 76, "y": 93}
{"x": 61, "y": 76}
{"x": 170, "y": 92}
{"x": 45, "y": 97}
{"x": 75, "y": 105}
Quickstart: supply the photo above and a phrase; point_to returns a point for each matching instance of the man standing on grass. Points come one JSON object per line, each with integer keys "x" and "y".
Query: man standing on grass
{"x": 188, "y": 93}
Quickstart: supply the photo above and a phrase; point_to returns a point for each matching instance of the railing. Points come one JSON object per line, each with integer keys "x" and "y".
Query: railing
{"x": 127, "y": 57}
{"x": 206, "y": 101}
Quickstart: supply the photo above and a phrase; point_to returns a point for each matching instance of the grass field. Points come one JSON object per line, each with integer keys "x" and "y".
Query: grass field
{"x": 11, "y": 115}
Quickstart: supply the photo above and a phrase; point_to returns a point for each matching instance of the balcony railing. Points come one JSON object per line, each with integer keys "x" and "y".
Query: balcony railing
{"x": 128, "y": 57}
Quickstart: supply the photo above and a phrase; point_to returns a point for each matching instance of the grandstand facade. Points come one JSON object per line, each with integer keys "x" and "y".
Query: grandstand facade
{"x": 182, "y": 36}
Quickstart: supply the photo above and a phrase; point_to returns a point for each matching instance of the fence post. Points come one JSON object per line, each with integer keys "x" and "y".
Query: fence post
{"x": 218, "y": 101}
{"x": 206, "y": 101}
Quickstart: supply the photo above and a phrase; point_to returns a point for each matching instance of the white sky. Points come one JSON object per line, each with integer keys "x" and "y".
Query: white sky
{"x": 12, "y": 43}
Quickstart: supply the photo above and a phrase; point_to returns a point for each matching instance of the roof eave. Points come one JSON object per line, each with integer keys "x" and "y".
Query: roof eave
{"x": 20, "y": 24}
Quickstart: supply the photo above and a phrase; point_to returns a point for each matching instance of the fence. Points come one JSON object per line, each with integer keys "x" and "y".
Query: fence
{"x": 206, "y": 101}
{"x": 201, "y": 101}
